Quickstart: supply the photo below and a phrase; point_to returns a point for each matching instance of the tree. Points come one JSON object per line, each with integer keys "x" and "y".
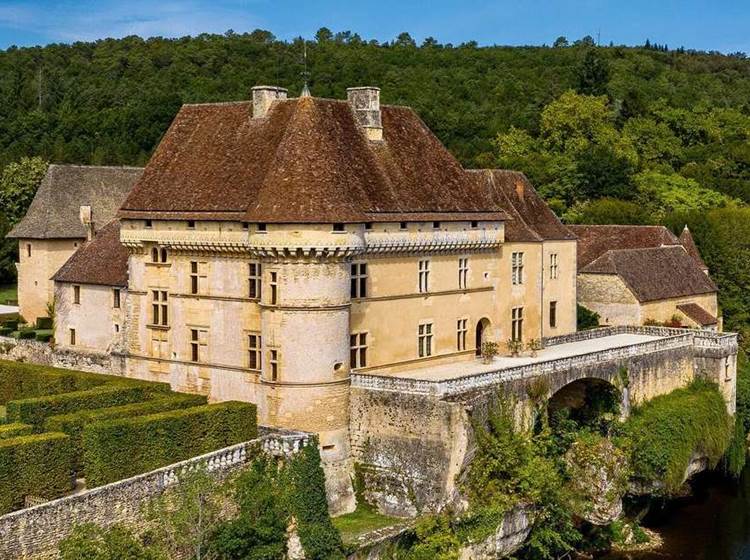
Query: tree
{"x": 560, "y": 42}
{"x": 323, "y": 35}
{"x": 89, "y": 542}
{"x": 592, "y": 73}
{"x": 184, "y": 518}
{"x": 608, "y": 211}
{"x": 18, "y": 184}
{"x": 404, "y": 40}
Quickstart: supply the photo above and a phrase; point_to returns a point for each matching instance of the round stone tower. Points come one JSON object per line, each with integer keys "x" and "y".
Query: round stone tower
{"x": 305, "y": 310}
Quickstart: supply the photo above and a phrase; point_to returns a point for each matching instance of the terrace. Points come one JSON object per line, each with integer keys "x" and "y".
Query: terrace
{"x": 562, "y": 353}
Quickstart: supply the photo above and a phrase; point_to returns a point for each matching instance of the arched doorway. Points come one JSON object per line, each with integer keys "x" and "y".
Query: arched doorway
{"x": 482, "y": 328}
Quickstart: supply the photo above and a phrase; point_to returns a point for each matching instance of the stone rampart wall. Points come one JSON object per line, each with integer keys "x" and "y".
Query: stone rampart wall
{"x": 43, "y": 353}
{"x": 35, "y": 533}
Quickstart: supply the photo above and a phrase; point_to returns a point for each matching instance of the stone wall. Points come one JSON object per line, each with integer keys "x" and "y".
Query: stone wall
{"x": 45, "y": 354}
{"x": 36, "y": 532}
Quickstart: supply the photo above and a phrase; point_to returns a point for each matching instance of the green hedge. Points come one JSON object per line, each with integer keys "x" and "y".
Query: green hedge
{"x": 36, "y": 410}
{"x": 43, "y": 335}
{"x": 16, "y": 429}
{"x": 22, "y": 381}
{"x": 74, "y": 422}
{"x": 38, "y": 465}
{"x": 122, "y": 448}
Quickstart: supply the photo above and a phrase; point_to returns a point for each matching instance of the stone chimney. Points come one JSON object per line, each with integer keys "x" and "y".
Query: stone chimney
{"x": 263, "y": 96}
{"x": 85, "y": 215}
{"x": 365, "y": 102}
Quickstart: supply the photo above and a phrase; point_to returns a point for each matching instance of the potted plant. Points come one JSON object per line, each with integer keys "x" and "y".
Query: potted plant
{"x": 534, "y": 346}
{"x": 489, "y": 351}
{"x": 514, "y": 347}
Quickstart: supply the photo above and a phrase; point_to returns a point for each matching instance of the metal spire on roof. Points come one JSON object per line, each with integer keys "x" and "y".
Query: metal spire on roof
{"x": 305, "y": 74}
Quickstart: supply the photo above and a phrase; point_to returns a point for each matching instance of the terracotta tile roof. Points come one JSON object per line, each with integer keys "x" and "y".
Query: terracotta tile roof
{"x": 101, "y": 261}
{"x": 54, "y": 212}
{"x": 307, "y": 161}
{"x": 698, "y": 314}
{"x": 686, "y": 240}
{"x": 654, "y": 273}
{"x": 594, "y": 241}
{"x": 531, "y": 218}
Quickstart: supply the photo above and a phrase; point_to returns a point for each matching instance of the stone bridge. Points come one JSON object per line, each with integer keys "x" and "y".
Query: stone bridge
{"x": 411, "y": 433}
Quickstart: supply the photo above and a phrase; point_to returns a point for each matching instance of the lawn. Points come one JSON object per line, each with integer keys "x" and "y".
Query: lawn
{"x": 362, "y": 520}
{"x": 8, "y": 292}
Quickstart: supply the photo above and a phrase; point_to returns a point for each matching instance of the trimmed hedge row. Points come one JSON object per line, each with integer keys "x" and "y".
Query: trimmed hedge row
{"x": 23, "y": 381}
{"x": 74, "y": 422}
{"x": 38, "y": 465}
{"x": 118, "y": 449}
{"x": 36, "y": 410}
{"x": 8, "y": 431}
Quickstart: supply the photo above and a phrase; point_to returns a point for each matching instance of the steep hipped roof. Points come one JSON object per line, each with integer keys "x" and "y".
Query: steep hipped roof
{"x": 686, "y": 240}
{"x": 102, "y": 261}
{"x": 307, "y": 161}
{"x": 594, "y": 241}
{"x": 654, "y": 273}
{"x": 530, "y": 217}
{"x": 55, "y": 211}
{"x": 698, "y": 314}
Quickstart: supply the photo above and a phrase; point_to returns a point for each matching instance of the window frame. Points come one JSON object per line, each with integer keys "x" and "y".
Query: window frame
{"x": 425, "y": 346}
{"x": 423, "y": 272}
{"x": 463, "y": 273}
{"x": 255, "y": 351}
{"x": 358, "y": 282}
{"x": 116, "y": 298}
{"x": 159, "y": 307}
{"x": 553, "y": 314}
{"x": 273, "y": 283}
{"x": 554, "y": 270}
{"x": 516, "y": 325}
{"x": 462, "y": 330}
{"x": 254, "y": 280}
{"x": 517, "y": 258}
{"x": 358, "y": 349}
{"x": 198, "y": 345}
{"x": 76, "y": 294}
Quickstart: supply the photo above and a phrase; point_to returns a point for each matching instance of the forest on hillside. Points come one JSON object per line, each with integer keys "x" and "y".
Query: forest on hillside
{"x": 607, "y": 134}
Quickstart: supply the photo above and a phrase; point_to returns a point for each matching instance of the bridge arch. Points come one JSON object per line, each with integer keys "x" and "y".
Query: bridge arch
{"x": 585, "y": 398}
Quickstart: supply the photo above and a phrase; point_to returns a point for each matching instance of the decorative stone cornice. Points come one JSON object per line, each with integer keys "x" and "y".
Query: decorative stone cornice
{"x": 379, "y": 242}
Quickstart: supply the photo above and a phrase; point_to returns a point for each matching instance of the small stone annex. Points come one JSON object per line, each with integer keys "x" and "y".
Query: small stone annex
{"x": 635, "y": 275}
{"x": 332, "y": 262}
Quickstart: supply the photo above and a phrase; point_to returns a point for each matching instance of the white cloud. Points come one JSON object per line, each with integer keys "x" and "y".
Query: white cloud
{"x": 68, "y": 21}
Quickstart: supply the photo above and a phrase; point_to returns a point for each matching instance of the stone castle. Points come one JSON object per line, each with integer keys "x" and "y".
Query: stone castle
{"x": 332, "y": 262}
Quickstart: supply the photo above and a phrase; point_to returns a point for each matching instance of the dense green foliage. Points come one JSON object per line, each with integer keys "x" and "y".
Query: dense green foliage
{"x": 120, "y": 448}
{"x": 23, "y": 381}
{"x": 74, "y": 422}
{"x": 90, "y": 542}
{"x": 37, "y": 409}
{"x": 38, "y": 465}
{"x": 586, "y": 319}
{"x": 16, "y": 429}
{"x": 665, "y": 432}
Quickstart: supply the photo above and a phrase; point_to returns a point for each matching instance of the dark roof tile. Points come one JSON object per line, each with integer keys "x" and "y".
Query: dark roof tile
{"x": 102, "y": 261}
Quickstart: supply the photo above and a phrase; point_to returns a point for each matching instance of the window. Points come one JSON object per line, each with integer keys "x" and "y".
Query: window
{"x": 517, "y": 268}
{"x": 553, "y": 271}
{"x": 463, "y": 273}
{"x": 158, "y": 255}
{"x": 262, "y": 227}
{"x": 359, "y": 280}
{"x": 149, "y": 224}
{"x": 116, "y": 298}
{"x": 461, "y": 330}
{"x": 245, "y": 225}
{"x": 254, "y": 280}
{"x": 425, "y": 340}
{"x": 517, "y": 324}
{"x": 193, "y": 277}
{"x": 28, "y": 249}
{"x": 273, "y": 360}
{"x": 274, "y": 288}
{"x": 424, "y": 276}
{"x": 76, "y": 294}
{"x": 255, "y": 357}
{"x": 368, "y": 225}
{"x": 72, "y": 337}
{"x": 117, "y": 328}
{"x": 435, "y": 225}
{"x": 402, "y": 225}
{"x": 358, "y": 350}
{"x": 198, "y": 345}
{"x": 338, "y": 227}
{"x": 553, "y": 314}
{"x": 159, "y": 312}
{"x": 163, "y": 255}
{"x": 474, "y": 224}
{"x": 191, "y": 224}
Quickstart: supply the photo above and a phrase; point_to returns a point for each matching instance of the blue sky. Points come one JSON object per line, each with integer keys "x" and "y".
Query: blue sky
{"x": 711, "y": 25}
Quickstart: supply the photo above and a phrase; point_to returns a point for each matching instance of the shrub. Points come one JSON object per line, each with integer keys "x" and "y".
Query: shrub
{"x": 121, "y": 448}
{"x": 26, "y": 334}
{"x": 44, "y": 323}
{"x": 666, "y": 432}
{"x": 36, "y": 410}
{"x": 6, "y": 331}
{"x": 89, "y": 542}
{"x": 43, "y": 335}
{"x": 35, "y": 464}
{"x": 8, "y": 431}
{"x": 74, "y": 422}
{"x": 586, "y": 318}
{"x": 21, "y": 381}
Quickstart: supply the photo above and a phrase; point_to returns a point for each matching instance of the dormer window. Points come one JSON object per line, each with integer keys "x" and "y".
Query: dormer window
{"x": 435, "y": 225}
{"x": 149, "y": 225}
{"x": 474, "y": 224}
{"x": 338, "y": 227}
{"x": 191, "y": 224}
{"x": 262, "y": 227}
{"x": 402, "y": 225}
